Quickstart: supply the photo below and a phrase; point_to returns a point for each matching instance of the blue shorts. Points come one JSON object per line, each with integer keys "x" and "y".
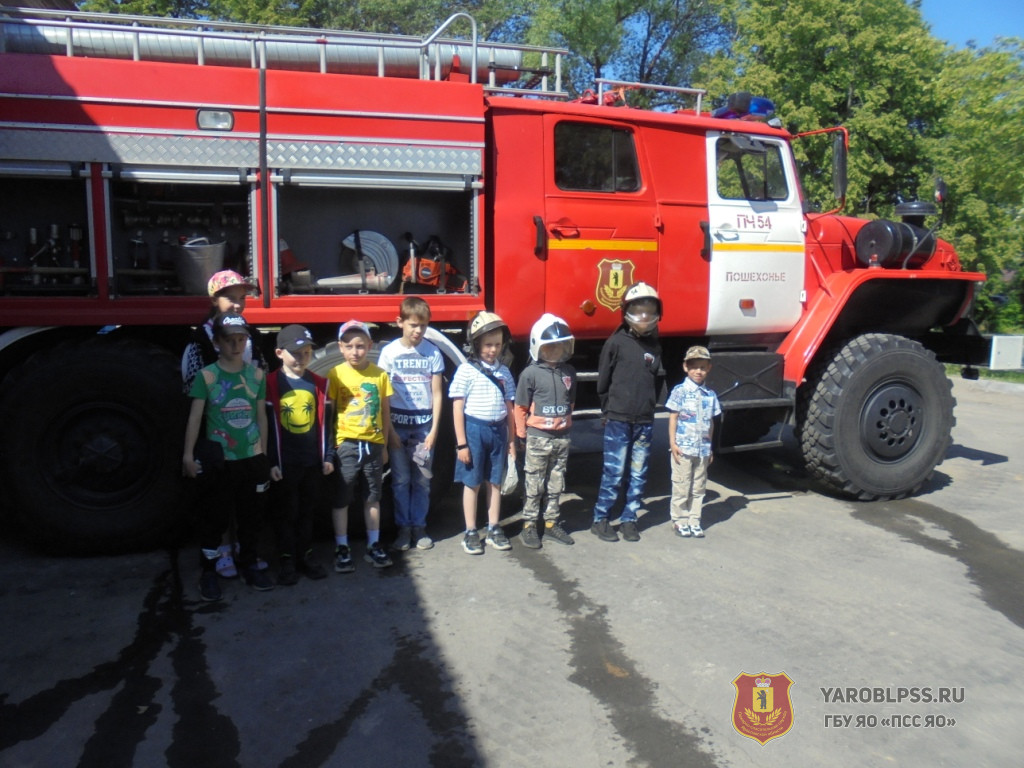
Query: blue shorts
{"x": 488, "y": 447}
{"x": 358, "y": 458}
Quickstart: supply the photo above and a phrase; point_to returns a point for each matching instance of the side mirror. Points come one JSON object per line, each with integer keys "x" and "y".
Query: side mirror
{"x": 839, "y": 179}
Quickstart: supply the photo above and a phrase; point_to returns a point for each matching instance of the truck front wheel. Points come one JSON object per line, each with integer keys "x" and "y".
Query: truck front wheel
{"x": 91, "y": 438}
{"x": 877, "y": 419}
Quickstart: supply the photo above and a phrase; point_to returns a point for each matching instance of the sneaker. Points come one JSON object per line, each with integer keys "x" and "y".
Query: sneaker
{"x": 554, "y": 531}
{"x": 226, "y": 563}
{"x": 419, "y": 535}
{"x": 209, "y": 586}
{"x": 257, "y": 579}
{"x": 404, "y": 539}
{"x": 343, "y": 559}
{"x": 603, "y": 531}
{"x": 376, "y": 555}
{"x": 310, "y": 568}
{"x": 629, "y": 531}
{"x": 496, "y": 538}
{"x": 471, "y": 543}
{"x": 287, "y": 575}
{"x": 683, "y": 531}
{"x": 697, "y": 531}
{"x": 529, "y": 535}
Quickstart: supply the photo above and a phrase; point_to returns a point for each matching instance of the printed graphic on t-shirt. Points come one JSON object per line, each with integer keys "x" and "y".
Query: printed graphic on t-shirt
{"x": 298, "y": 411}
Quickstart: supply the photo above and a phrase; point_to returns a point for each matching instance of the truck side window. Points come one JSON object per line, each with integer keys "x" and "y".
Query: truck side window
{"x": 750, "y": 170}
{"x": 595, "y": 158}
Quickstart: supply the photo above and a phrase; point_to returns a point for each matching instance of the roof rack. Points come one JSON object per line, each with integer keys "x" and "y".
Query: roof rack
{"x": 501, "y": 67}
{"x": 621, "y": 86}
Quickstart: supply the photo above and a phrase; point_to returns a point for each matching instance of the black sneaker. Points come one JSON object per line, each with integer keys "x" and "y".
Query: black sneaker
{"x": 209, "y": 586}
{"x": 603, "y": 531}
{"x": 529, "y": 535}
{"x": 554, "y": 531}
{"x": 287, "y": 575}
{"x": 496, "y": 538}
{"x": 471, "y": 543}
{"x": 343, "y": 559}
{"x": 310, "y": 568}
{"x": 257, "y": 578}
{"x": 629, "y": 531}
{"x": 375, "y": 554}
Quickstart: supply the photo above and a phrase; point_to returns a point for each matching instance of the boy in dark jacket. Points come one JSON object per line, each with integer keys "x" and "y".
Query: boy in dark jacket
{"x": 626, "y": 385}
{"x": 296, "y": 399}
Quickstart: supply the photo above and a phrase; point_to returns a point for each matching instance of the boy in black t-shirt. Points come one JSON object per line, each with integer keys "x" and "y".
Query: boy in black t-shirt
{"x": 296, "y": 399}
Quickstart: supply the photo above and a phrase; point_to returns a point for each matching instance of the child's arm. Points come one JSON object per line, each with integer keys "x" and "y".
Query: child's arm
{"x": 510, "y": 407}
{"x": 330, "y": 430}
{"x": 459, "y": 418}
{"x": 189, "y": 467}
{"x": 385, "y": 413}
{"x": 437, "y": 400}
{"x": 261, "y": 422}
{"x": 673, "y": 421}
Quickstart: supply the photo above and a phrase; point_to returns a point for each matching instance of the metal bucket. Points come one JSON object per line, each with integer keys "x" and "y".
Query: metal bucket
{"x": 198, "y": 260}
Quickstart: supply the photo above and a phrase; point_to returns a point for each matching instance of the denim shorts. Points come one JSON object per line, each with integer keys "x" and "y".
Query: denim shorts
{"x": 358, "y": 458}
{"x": 488, "y": 448}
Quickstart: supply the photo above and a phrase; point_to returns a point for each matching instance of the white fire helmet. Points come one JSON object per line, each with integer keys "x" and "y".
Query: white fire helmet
{"x": 642, "y": 322}
{"x": 551, "y": 330}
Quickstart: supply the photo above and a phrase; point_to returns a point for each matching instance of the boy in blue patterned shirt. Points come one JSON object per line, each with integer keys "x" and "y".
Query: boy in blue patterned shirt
{"x": 691, "y": 406}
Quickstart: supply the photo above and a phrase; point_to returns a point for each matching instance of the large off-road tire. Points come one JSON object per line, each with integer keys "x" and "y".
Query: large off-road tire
{"x": 91, "y": 435}
{"x": 877, "y": 418}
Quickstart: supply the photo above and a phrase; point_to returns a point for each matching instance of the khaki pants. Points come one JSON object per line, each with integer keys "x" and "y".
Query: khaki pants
{"x": 689, "y": 479}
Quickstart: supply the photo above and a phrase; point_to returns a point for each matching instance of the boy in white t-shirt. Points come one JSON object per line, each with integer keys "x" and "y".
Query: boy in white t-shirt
{"x": 415, "y": 367}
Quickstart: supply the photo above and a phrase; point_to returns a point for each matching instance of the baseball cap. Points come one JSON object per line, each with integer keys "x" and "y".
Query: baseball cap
{"x": 697, "y": 353}
{"x": 294, "y": 337}
{"x": 225, "y": 279}
{"x": 228, "y": 323}
{"x": 354, "y": 325}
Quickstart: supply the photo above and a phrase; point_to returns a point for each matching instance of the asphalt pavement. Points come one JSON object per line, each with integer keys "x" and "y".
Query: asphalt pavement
{"x": 598, "y": 654}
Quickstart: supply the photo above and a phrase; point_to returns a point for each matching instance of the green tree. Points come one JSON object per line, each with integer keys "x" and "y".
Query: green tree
{"x": 867, "y": 64}
{"x": 980, "y": 153}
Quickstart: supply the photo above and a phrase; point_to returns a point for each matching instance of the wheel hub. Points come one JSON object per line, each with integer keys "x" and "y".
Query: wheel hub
{"x": 891, "y": 421}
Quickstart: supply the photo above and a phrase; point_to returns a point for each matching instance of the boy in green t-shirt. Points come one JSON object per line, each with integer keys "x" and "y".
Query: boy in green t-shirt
{"x": 360, "y": 391}
{"x": 235, "y": 471}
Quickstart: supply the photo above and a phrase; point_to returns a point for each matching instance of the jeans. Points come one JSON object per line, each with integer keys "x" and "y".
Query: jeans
{"x": 411, "y": 487}
{"x": 624, "y": 445}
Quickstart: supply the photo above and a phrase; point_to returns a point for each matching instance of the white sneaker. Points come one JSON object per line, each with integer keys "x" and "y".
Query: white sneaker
{"x": 683, "y": 531}
{"x": 697, "y": 531}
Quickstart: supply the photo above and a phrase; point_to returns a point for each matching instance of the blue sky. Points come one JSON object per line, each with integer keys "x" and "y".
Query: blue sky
{"x": 957, "y": 21}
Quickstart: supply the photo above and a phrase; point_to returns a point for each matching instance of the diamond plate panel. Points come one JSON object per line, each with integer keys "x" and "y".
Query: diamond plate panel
{"x": 392, "y": 158}
{"x": 128, "y": 149}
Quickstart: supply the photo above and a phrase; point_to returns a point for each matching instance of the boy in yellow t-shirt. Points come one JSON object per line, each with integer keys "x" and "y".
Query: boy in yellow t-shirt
{"x": 360, "y": 391}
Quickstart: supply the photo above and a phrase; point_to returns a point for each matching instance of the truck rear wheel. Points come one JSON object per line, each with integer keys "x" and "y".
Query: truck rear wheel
{"x": 91, "y": 437}
{"x": 878, "y": 418}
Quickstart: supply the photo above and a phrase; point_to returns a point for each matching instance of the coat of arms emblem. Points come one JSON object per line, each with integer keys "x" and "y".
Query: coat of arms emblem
{"x": 763, "y": 710}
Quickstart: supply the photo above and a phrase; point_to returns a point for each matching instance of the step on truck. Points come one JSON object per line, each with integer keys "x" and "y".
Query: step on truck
{"x": 342, "y": 171}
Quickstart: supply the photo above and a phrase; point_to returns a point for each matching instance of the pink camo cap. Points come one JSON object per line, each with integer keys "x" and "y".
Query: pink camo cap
{"x": 225, "y": 279}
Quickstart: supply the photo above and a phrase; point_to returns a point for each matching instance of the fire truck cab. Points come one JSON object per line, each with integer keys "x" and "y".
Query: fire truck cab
{"x": 343, "y": 171}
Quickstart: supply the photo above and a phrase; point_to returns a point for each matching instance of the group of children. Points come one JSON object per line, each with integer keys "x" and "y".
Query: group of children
{"x": 253, "y": 435}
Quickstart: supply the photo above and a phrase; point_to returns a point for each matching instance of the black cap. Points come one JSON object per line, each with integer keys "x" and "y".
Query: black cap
{"x": 294, "y": 337}
{"x": 227, "y": 323}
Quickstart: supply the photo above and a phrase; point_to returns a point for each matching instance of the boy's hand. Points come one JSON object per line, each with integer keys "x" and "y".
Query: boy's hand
{"x": 328, "y": 467}
{"x": 190, "y": 467}
{"x": 275, "y": 473}
{"x": 465, "y": 455}
{"x": 430, "y": 439}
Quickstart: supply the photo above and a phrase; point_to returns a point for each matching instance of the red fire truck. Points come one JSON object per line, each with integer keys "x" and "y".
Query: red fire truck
{"x": 341, "y": 171}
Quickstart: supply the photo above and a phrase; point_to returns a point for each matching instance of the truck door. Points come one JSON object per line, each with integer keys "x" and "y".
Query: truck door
{"x": 599, "y": 222}
{"x": 756, "y": 236}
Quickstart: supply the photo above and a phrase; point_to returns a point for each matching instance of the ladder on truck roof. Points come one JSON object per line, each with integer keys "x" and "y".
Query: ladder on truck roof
{"x": 502, "y": 67}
